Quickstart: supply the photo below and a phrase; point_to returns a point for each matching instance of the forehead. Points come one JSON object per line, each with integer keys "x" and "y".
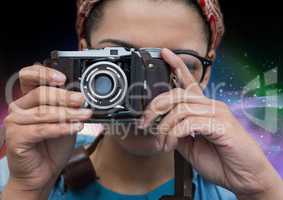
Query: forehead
{"x": 151, "y": 23}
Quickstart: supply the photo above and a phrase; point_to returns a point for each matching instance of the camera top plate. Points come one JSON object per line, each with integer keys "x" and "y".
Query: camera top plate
{"x": 113, "y": 52}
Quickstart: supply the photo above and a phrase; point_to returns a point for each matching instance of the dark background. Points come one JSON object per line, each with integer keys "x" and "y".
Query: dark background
{"x": 31, "y": 29}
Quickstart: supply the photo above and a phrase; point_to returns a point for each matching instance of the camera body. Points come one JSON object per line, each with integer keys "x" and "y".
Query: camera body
{"x": 117, "y": 83}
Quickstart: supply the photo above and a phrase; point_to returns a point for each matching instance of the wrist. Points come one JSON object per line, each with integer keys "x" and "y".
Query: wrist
{"x": 275, "y": 193}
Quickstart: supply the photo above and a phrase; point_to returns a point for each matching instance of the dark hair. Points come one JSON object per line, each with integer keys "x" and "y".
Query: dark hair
{"x": 96, "y": 14}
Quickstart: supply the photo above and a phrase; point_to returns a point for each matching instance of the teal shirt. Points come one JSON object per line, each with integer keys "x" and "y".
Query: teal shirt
{"x": 204, "y": 190}
{"x": 95, "y": 191}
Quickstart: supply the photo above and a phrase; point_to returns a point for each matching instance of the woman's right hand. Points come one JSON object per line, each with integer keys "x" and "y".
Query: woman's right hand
{"x": 40, "y": 130}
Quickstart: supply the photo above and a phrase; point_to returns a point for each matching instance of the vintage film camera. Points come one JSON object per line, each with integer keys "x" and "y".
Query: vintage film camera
{"x": 117, "y": 82}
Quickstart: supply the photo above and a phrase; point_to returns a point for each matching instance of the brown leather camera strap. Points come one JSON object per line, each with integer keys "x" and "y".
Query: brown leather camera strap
{"x": 184, "y": 188}
{"x": 80, "y": 172}
{"x": 183, "y": 176}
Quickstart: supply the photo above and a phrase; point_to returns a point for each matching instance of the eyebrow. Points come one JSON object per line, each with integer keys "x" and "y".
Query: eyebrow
{"x": 120, "y": 43}
{"x": 129, "y": 45}
{"x": 181, "y": 51}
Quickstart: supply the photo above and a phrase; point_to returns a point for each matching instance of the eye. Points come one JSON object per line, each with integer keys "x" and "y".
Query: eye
{"x": 194, "y": 65}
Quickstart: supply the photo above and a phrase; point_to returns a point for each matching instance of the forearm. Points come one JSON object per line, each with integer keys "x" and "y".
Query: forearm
{"x": 274, "y": 193}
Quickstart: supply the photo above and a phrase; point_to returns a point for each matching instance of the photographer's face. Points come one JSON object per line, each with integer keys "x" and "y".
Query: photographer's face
{"x": 147, "y": 23}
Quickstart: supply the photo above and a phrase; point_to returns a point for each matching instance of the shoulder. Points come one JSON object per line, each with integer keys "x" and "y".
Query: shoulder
{"x": 205, "y": 190}
{"x": 4, "y": 173}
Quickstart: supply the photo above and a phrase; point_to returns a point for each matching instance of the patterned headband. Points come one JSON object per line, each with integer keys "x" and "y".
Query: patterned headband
{"x": 210, "y": 8}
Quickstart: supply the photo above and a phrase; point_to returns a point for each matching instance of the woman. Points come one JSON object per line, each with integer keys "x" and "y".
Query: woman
{"x": 139, "y": 167}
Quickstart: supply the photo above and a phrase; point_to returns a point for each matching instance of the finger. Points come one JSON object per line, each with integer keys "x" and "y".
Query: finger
{"x": 160, "y": 141}
{"x": 33, "y": 134}
{"x": 171, "y": 143}
{"x": 49, "y": 114}
{"x": 209, "y": 128}
{"x": 184, "y": 110}
{"x": 44, "y": 95}
{"x": 35, "y": 75}
{"x": 182, "y": 72}
{"x": 163, "y": 103}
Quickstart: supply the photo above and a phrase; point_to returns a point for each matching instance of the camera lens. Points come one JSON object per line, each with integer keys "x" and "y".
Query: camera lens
{"x": 103, "y": 84}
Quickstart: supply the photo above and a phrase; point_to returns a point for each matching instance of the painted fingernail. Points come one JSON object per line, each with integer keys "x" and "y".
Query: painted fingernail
{"x": 58, "y": 77}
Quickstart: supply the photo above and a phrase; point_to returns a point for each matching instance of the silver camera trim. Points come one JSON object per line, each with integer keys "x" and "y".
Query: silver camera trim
{"x": 123, "y": 93}
{"x": 103, "y": 53}
{"x": 92, "y": 53}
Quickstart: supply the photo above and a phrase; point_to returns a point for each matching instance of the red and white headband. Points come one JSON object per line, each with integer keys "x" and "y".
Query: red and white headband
{"x": 210, "y": 8}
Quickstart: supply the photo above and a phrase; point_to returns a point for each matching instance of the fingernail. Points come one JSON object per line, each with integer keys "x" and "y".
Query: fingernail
{"x": 158, "y": 145}
{"x": 140, "y": 123}
{"x": 166, "y": 148}
{"x": 85, "y": 112}
{"x": 169, "y": 52}
{"x": 77, "y": 98}
{"x": 144, "y": 123}
{"x": 58, "y": 77}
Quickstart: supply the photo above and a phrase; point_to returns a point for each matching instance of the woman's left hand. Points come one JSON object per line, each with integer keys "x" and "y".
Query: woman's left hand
{"x": 207, "y": 134}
